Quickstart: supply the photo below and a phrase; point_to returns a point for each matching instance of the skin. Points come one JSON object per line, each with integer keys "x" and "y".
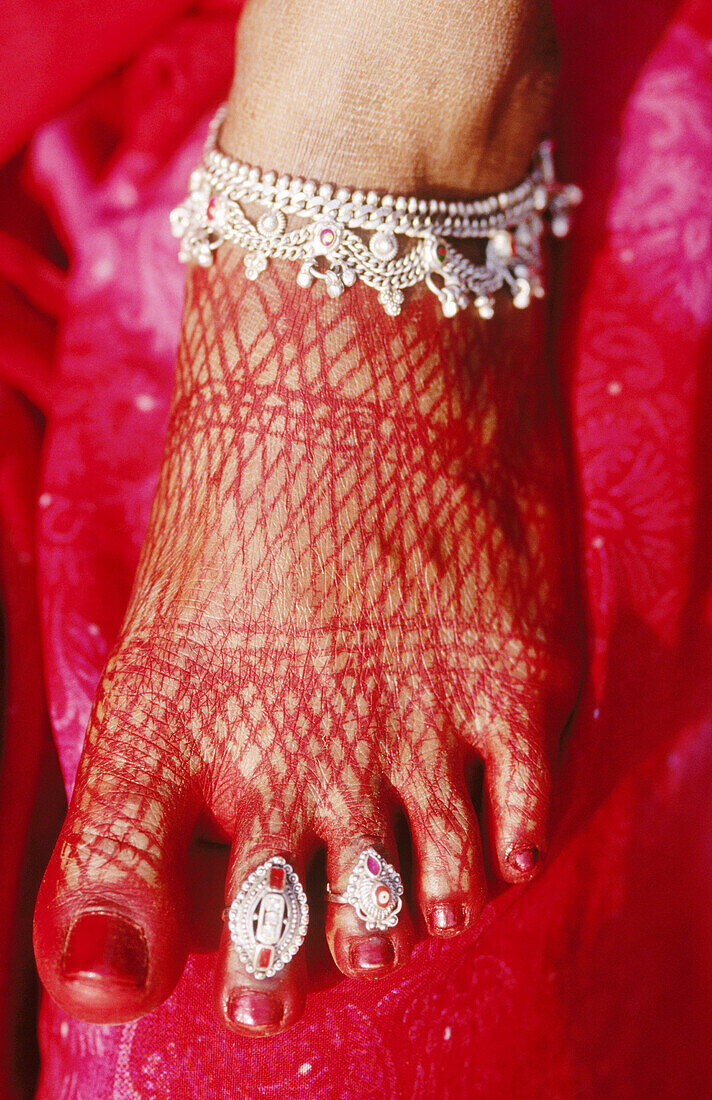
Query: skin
{"x": 357, "y": 576}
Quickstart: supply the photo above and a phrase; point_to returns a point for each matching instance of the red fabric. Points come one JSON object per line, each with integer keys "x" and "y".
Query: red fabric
{"x": 53, "y": 52}
{"x": 594, "y": 979}
{"x": 24, "y": 726}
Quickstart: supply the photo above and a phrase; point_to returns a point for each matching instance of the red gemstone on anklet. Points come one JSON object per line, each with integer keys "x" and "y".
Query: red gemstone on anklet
{"x": 276, "y": 878}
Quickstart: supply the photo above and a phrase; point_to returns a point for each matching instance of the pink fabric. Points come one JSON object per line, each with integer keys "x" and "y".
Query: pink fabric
{"x": 594, "y": 979}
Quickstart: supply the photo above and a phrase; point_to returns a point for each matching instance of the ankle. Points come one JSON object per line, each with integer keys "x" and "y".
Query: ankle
{"x": 452, "y": 100}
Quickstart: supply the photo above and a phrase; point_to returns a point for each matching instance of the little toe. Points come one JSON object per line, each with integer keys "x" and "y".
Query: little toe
{"x": 371, "y": 935}
{"x": 451, "y": 883}
{"x": 260, "y": 973}
{"x": 109, "y": 930}
{"x": 519, "y": 790}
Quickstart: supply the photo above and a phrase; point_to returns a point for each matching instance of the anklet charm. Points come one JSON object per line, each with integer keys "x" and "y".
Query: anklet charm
{"x": 390, "y": 243}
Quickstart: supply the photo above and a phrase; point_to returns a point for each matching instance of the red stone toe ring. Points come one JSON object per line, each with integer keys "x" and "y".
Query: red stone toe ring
{"x": 375, "y": 890}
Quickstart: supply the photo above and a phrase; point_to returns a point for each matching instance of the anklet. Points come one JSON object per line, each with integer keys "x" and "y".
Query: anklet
{"x": 390, "y": 243}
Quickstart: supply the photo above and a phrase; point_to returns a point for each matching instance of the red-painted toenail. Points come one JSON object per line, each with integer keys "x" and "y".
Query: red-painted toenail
{"x": 105, "y": 945}
{"x": 252, "y": 1009}
{"x": 524, "y": 860}
{"x": 371, "y": 953}
{"x": 447, "y": 916}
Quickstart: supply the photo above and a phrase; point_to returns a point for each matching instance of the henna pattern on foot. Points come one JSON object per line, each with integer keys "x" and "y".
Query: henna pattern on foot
{"x": 357, "y": 575}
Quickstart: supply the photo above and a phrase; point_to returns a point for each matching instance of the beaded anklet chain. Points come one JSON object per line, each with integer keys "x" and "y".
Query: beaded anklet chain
{"x": 390, "y": 243}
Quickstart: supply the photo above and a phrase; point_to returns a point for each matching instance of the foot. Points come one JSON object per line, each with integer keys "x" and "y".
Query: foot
{"x": 357, "y": 578}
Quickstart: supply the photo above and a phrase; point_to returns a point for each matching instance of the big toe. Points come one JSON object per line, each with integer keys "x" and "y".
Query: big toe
{"x": 109, "y": 931}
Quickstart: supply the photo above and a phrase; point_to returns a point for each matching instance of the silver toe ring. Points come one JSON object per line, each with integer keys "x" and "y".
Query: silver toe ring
{"x": 374, "y": 890}
{"x": 268, "y": 918}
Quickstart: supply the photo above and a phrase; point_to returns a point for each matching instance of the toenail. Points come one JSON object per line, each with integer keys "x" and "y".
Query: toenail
{"x": 105, "y": 945}
{"x": 447, "y": 916}
{"x": 252, "y": 1009}
{"x": 372, "y": 952}
{"x": 524, "y": 860}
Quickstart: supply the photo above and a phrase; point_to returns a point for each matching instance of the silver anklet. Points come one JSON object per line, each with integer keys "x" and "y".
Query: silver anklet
{"x": 389, "y": 243}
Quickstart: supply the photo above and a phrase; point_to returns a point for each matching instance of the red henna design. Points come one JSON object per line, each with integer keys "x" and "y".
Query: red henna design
{"x": 357, "y": 566}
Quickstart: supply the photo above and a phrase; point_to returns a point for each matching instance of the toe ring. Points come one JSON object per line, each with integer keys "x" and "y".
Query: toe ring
{"x": 374, "y": 890}
{"x": 268, "y": 918}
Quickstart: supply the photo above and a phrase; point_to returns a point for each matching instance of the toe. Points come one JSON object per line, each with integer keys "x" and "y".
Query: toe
{"x": 518, "y": 780}
{"x": 451, "y": 882}
{"x": 360, "y": 951}
{"x": 251, "y": 996}
{"x": 109, "y": 930}
{"x": 258, "y": 1007}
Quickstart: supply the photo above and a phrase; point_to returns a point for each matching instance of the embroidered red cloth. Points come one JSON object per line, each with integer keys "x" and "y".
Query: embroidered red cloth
{"x": 593, "y": 980}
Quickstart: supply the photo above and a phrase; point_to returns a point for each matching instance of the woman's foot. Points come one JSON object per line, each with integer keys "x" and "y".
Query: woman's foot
{"x": 357, "y": 577}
